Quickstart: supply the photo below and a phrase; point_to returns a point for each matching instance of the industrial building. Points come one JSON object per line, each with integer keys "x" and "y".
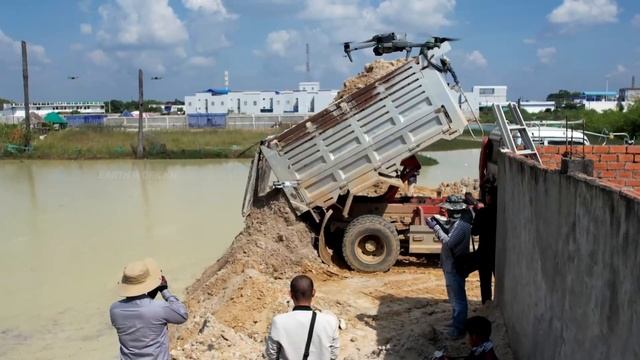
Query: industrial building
{"x": 308, "y": 99}
{"x": 43, "y": 108}
{"x": 489, "y": 95}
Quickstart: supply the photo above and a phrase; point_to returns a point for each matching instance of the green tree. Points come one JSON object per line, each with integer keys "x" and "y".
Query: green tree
{"x": 564, "y": 98}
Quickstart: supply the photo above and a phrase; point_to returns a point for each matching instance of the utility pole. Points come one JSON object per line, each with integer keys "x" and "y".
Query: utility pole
{"x": 25, "y": 82}
{"x": 308, "y": 67}
{"x": 140, "y": 148}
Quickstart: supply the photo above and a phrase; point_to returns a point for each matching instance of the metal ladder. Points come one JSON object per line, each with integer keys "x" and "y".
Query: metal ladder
{"x": 507, "y": 131}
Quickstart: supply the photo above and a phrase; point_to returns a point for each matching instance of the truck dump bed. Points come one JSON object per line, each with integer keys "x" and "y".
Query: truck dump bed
{"x": 355, "y": 141}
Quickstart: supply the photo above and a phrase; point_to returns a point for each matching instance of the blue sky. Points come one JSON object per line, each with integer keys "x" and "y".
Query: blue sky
{"x": 534, "y": 47}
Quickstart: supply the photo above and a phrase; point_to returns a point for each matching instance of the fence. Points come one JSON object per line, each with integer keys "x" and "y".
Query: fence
{"x": 82, "y": 120}
{"x": 199, "y": 121}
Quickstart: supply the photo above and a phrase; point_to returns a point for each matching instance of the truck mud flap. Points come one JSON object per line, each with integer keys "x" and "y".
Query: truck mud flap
{"x": 250, "y": 189}
{"x": 323, "y": 250}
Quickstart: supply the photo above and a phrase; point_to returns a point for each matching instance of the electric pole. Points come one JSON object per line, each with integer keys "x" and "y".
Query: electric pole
{"x": 25, "y": 82}
{"x": 140, "y": 148}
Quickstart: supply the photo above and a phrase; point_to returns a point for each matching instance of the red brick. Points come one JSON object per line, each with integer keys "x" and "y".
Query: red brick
{"x": 600, "y": 166}
{"x": 600, "y": 149}
{"x": 632, "y": 182}
{"x": 637, "y": 158}
{"x": 587, "y": 149}
{"x": 619, "y": 182}
{"x": 636, "y": 174}
{"x": 613, "y": 165}
{"x": 548, "y": 149}
{"x": 632, "y": 166}
{"x": 606, "y": 174}
{"x": 626, "y": 157}
{"x": 633, "y": 149}
{"x": 618, "y": 149}
{"x": 594, "y": 157}
{"x": 608, "y": 157}
{"x": 624, "y": 174}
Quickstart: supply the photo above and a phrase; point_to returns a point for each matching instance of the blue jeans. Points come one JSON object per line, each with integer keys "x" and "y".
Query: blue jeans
{"x": 458, "y": 300}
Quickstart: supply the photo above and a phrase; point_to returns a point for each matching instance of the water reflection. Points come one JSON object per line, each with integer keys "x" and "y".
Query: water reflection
{"x": 68, "y": 227}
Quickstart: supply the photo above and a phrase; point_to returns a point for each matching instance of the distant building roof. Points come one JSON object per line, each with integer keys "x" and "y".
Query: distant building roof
{"x": 600, "y": 93}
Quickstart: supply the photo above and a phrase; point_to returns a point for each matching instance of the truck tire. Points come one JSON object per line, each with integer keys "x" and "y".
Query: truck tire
{"x": 370, "y": 244}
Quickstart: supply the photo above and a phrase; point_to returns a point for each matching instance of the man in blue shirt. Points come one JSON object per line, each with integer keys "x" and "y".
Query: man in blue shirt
{"x": 455, "y": 243}
{"x": 141, "y": 322}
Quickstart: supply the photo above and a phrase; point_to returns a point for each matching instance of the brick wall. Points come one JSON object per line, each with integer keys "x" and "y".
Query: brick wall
{"x": 615, "y": 165}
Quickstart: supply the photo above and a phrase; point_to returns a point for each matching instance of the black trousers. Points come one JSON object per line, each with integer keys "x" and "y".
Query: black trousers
{"x": 486, "y": 270}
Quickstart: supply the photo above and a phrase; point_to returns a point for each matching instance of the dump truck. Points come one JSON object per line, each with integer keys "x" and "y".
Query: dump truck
{"x": 326, "y": 163}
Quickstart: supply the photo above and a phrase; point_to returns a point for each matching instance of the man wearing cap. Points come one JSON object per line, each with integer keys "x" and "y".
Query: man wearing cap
{"x": 140, "y": 321}
{"x": 455, "y": 243}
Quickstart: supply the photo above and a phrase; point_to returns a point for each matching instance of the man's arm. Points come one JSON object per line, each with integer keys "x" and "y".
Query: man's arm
{"x": 175, "y": 311}
{"x": 272, "y": 348}
{"x": 334, "y": 346}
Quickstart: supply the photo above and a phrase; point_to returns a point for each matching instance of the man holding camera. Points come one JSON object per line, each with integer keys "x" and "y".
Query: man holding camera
{"x": 455, "y": 244}
{"x": 140, "y": 321}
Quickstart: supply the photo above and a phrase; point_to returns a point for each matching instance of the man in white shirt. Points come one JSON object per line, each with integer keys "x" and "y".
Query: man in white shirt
{"x": 303, "y": 333}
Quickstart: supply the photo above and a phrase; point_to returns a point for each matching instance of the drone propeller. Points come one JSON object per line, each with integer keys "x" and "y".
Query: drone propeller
{"x": 441, "y": 40}
{"x": 347, "y": 50}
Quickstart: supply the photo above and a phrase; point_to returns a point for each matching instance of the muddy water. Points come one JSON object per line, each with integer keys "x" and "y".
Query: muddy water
{"x": 67, "y": 228}
{"x": 452, "y": 166}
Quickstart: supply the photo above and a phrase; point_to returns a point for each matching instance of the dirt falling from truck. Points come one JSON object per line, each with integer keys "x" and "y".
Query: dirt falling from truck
{"x": 371, "y": 72}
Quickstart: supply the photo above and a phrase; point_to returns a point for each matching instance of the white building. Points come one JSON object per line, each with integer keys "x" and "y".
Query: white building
{"x": 489, "y": 95}
{"x": 534, "y": 107}
{"x": 599, "y": 100}
{"x": 63, "y": 107}
{"x": 308, "y": 99}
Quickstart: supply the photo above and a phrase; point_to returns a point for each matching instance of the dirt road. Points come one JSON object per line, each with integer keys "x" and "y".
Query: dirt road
{"x": 401, "y": 314}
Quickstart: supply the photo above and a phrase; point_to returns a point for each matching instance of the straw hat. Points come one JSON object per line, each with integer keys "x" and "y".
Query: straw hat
{"x": 139, "y": 278}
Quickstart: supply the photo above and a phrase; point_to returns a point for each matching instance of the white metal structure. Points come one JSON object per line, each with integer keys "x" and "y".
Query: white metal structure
{"x": 534, "y": 107}
{"x": 521, "y": 144}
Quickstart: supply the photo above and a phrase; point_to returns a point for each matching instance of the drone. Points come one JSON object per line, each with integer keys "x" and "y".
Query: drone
{"x": 390, "y": 42}
{"x": 73, "y": 77}
{"x": 156, "y": 78}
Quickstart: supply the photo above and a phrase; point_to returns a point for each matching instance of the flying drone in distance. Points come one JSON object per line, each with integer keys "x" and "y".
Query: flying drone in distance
{"x": 391, "y": 42}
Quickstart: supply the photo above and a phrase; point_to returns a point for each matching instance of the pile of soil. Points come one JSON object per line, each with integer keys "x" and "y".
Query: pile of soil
{"x": 371, "y": 72}
{"x": 459, "y": 187}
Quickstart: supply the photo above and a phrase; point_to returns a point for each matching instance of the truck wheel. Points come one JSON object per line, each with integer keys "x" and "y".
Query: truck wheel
{"x": 370, "y": 244}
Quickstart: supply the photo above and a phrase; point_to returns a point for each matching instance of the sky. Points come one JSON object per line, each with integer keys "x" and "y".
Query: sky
{"x": 534, "y": 47}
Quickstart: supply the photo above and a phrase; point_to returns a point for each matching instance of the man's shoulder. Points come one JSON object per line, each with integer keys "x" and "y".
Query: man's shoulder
{"x": 325, "y": 316}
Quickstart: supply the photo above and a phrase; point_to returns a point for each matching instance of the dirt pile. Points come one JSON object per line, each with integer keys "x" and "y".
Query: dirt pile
{"x": 371, "y": 72}
{"x": 232, "y": 303}
{"x": 400, "y": 314}
{"x": 459, "y": 187}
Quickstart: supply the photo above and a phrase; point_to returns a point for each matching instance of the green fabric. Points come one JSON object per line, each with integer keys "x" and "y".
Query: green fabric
{"x": 54, "y": 118}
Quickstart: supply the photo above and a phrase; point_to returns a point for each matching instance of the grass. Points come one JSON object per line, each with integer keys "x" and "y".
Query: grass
{"x": 426, "y": 160}
{"x": 460, "y": 143}
{"x": 107, "y": 143}
{"x": 104, "y": 143}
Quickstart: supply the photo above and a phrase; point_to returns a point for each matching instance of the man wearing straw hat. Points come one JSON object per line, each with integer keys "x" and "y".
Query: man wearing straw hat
{"x": 140, "y": 321}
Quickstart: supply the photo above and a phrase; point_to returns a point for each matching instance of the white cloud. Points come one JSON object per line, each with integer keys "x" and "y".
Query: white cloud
{"x": 86, "y": 29}
{"x": 636, "y": 21}
{"x": 585, "y": 12}
{"x": 201, "y": 61}
{"x": 98, "y": 57}
{"x": 140, "y": 23}
{"x": 330, "y": 9}
{"x": 209, "y": 6}
{"x": 84, "y": 5}
{"x": 476, "y": 59}
{"x": 547, "y": 55}
{"x": 354, "y": 20}
{"x": 529, "y": 41}
{"x": 619, "y": 70}
{"x": 11, "y": 51}
{"x": 431, "y": 14}
{"x": 280, "y": 42}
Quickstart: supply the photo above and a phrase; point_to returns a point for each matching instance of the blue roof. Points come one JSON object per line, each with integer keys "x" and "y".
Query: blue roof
{"x": 600, "y": 93}
{"x": 222, "y": 91}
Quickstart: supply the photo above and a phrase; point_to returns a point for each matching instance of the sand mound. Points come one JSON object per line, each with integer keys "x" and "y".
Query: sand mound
{"x": 371, "y": 72}
{"x": 234, "y": 300}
